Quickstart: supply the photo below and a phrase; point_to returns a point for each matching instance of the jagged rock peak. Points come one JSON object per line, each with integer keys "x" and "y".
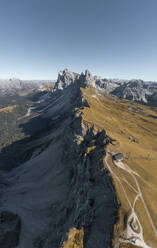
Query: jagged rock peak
{"x": 89, "y": 79}
{"x": 66, "y": 78}
{"x": 134, "y": 83}
{"x": 88, "y": 74}
{"x": 136, "y": 90}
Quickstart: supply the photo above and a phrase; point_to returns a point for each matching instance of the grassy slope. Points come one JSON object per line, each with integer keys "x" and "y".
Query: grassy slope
{"x": 120, "y": 121}
{"x": 75, "y": 239}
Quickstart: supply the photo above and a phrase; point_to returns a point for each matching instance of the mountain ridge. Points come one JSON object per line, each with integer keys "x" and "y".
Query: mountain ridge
{"x": 61, "y": 185}
{"x": 137, "y": 90}
{"x": 133, "y": 90}
{"x": 58, "y": 190}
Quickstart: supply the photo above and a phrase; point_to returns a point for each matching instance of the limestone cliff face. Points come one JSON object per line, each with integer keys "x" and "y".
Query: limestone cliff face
{"x": 62, "y": 184}
{"x": 67, "y": 78}
{"x": 137, "y": 90}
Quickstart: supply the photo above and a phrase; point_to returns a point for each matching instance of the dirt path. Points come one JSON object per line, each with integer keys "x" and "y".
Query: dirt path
{"x": 132, "y": 173}
{"x": 133, "y": 222}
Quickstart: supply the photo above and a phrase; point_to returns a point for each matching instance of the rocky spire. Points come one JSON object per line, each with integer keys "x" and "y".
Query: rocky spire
{"x": 66, "y": 78}
{"x": 89, "y": 79}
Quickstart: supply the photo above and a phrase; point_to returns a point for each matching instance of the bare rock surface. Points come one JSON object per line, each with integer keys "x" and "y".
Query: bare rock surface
{"x": 60, "y": 185}
{"x": 139, "y": 91}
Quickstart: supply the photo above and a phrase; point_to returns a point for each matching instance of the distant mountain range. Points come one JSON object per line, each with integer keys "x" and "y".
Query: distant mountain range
{"x": 14, "y": 86}
{"x": 134, "y": 90}
{"x": 138, "y": 90}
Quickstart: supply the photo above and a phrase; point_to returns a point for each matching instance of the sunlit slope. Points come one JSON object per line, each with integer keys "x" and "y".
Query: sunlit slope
{"x": 75, "y": 239}
{"x": 134, "y": 129}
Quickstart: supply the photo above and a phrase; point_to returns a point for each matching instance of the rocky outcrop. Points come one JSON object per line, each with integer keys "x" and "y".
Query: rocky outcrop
{"x": 105, "y": 85}
{"x": 89, "y": 80}
{"x": 10, "y": 228}
{"x": 67, "y": 78}
{"x": 137, "y": 90}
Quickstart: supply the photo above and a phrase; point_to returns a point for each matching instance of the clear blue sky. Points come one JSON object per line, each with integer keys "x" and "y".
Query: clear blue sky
{"x": 111, "y": 38}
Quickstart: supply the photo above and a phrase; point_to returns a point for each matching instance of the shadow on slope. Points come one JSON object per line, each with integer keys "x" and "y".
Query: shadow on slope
{"x": 64, "y": 184}
{"x": 36, "y": 128}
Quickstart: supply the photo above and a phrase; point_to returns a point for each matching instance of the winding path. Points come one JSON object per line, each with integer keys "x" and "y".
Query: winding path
{"x": 133, "y": 222}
